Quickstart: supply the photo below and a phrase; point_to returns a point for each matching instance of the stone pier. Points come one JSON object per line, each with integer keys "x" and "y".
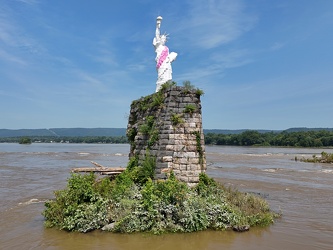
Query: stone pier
{"x": 168, "y": 125}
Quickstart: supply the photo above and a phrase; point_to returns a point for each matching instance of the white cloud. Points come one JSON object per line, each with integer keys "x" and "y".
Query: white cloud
{"x": 7, "y": 29}
{"x": 232, "y": 58}
{"x": 17, "y": 45}
{"x": 277, "y": 46}
{"x": 105, "y": 56}
{"x": 212, "y": 23}
{"x": 7, "y": 57}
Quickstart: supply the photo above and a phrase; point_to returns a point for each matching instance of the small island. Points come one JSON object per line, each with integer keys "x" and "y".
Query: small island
{"x": 164, "y": 187}
{"x": 323, "y": 158}
{"x": 25, "y": 140}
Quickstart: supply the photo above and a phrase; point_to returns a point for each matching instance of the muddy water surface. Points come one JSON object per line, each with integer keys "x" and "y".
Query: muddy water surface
{"x": 303, "y": 192}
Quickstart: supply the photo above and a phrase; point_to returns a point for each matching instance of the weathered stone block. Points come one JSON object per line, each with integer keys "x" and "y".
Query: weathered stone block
{"x": 183, "y": 178}
{"x": 190, "y": 130}
{"x": 176, "y": 172}
{"x": 167, "y": 158}
{"x": 183, "y": 160}
{"x": 164, "y": 142}
{"x": 174, "y": 93}
{"x": 194, "y": 167}
{"x": 179, "y": 136}
{"x": 161, "y": 165}
{"x": 178, "y": 130}
{"x": 163, "y": 136}
{"x": 183, "y": 167}
{"x": 188, "y": 99}
{"x": 176, "y": 166}
{"x": 165, "y": 153}
{"x": 172, "y": 104}
{"x": 194, "y": 161}
{"x": 192, "y": 124}
{"x": 191, "y": 148}
{"x": 193, "y": 179}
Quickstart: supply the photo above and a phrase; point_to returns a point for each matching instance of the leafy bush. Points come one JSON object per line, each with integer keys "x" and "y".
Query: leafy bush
{"x": 135, "y": 203}
{"x": 82, "y": 206}
{"x": 146, "y": 171}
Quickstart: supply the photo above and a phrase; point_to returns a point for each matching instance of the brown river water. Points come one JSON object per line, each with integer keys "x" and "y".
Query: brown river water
{"x": 303, "y": 192}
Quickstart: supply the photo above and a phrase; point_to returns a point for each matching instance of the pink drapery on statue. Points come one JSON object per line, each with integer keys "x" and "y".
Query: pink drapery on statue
{"x": 162, "y": 57}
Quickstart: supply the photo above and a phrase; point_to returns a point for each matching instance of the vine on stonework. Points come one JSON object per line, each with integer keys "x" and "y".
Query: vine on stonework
{"x": 199, "y": 148}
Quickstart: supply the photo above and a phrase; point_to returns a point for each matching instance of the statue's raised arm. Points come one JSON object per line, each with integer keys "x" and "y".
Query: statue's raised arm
{"x": 158, "y": 27}
{"x": 163, "y": 57}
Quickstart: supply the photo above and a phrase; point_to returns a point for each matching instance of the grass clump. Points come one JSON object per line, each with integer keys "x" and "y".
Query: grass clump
{"x": 133, "y": 202}
{"x": 190, "y": 108}
{"x": 167, "y": 85}
{"x": 176, "y": 119}
{"x": 188, "y": 87}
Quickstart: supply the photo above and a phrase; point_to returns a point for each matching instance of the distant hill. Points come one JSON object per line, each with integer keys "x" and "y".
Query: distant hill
{"x": 89, "y": 131}
{"x": 78, "y": 132}
{"x": 25, "y": 132}
{"x": 60, "y": 132}
{"x": 236, "y": 131}
{"x": 307, "y": 129}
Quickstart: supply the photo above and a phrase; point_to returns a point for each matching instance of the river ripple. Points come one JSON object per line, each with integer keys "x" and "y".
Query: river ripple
{"x": 301, "y": 191}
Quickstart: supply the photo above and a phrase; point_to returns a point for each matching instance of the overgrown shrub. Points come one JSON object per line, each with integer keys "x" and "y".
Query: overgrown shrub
{"x": 82, "y": 206}
{"x": 136, "y": 203}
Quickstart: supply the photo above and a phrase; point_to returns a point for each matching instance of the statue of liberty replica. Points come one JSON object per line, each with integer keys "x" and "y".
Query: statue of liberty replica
{"x": 163, "y": 57}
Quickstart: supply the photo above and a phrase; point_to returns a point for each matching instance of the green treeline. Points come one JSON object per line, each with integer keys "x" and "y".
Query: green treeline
{"x": 69, "y": 139}
{"x": 320, "y": 138}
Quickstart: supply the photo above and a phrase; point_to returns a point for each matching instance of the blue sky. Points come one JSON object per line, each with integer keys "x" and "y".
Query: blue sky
{"x": 262, "y": 64}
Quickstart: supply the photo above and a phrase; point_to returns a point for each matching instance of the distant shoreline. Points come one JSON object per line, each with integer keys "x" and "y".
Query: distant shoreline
{"x": 73, "y": 132}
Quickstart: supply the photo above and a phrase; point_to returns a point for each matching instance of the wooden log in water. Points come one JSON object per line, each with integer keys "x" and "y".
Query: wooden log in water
{"x": 97, "y": 164}
{"x": 111, "y": 173}
{"x": 97, "y": 170}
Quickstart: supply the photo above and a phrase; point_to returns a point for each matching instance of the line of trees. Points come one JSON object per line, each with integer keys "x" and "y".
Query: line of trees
{"x": 320, "y": 138}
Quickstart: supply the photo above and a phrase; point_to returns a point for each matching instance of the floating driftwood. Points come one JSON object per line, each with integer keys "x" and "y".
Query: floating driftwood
{"x": 97, "y": 164}
{"x": 99, "y": 169}
{"x": 96, "y": 170}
